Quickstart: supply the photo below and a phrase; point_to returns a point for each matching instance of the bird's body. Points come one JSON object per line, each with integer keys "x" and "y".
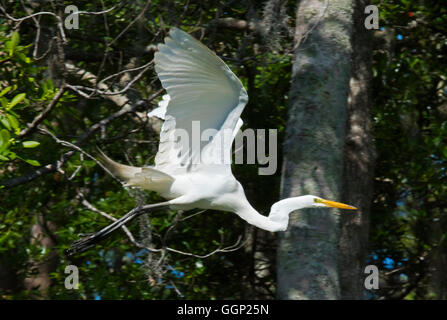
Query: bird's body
{"x": 201, "y": 114}
{"x": 192, "y": 190}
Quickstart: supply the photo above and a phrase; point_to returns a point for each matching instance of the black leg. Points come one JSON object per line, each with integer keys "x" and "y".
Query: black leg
{"x": 92, "y": 239}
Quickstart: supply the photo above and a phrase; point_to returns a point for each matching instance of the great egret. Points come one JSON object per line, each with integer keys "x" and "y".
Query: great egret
{"x": 201, "y": 88}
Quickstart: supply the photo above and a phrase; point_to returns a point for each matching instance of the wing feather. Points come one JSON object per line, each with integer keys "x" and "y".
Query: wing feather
{"x": 203, "y": 92}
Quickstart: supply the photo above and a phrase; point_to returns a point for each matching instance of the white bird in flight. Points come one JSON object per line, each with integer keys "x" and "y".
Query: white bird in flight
{"x": 201, "y": 89}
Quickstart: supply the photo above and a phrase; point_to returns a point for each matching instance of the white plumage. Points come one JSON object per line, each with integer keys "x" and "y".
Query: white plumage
{"x": 161, "y": 110}
{"x": 201, "y": 89}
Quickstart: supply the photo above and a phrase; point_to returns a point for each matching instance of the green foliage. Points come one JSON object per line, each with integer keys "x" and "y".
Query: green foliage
{"x": 410, "y": 122}
{"x": 408, "y": 221}
{"x": 116, "y": 268}
{"x": 19, "y": 74}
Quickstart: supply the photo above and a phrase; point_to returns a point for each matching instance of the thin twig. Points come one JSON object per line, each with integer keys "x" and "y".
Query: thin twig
{"x": 64, "y": 158}
{"x": 75, "y": 147}
{"x": 59, "y": 20}
{"x": 40, "y": 117}
{"x": 109, "y": 93}
{"x": 231, "y": 248}
{"x": 125, "y": 71}
{"x": 131, "y": 23}
{"x": 106, "y": 215}
{"x": 163, "y": 249}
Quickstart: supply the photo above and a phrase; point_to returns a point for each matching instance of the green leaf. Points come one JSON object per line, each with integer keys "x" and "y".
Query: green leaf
{"x": 4, "y": 102}
{"x": 5, "y": 122}
{"x": 13, "y": 121}
{"x": 12, "y": 44}
{"x": 4, "y": 139}
{"x": 30, "y": 144}
{"x": 33, "y": 162}
{"x": 23, "y": 57}
{"x": 15, "y": 39}
{"x": 5, "y": 91}
{"x": 18, "y": 98}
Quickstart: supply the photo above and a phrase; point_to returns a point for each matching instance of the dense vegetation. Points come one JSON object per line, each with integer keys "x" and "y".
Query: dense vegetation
{"x": 43, "y": 212}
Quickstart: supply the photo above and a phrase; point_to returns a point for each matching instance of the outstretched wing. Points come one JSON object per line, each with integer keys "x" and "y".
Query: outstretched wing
{"x": 206, "y": 101}
{"x": 160, "y": 111}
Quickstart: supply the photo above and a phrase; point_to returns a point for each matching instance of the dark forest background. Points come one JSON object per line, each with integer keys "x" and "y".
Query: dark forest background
{"x": 65, "y": 91}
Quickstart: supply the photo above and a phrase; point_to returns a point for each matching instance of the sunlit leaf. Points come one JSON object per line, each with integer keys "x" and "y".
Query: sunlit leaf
{"x": 12, "y": 121}
{"x": 5, "y": 91}
{"x": 33, "y": 162}
{"x": 5, "y": 122}
{"x": 30, "y": 144}
{"x": 4, "y": 139}
{"x": 17, "y": 99}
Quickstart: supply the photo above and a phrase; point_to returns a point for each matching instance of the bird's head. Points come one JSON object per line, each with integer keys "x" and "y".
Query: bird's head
{"x": 320, "y": 202}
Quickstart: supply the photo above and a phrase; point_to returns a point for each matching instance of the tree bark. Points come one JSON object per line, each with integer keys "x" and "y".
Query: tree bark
{"x": 358, "y": 165}
{"x": 41, "y": 236}
{"x": 313, "y": 149}
{"x": 438, "y": 258}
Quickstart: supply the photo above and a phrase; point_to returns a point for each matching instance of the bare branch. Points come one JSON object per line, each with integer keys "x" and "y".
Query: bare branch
{"x": 141, "y": 14}
{"x": 58, "y": 164}
{"x": 233, "y": 23}
{"x": 90, "y": 77}
{"x": 231, "y": 248}
{"x": 192, "y": 215}
{"x": 39, "y": 118}
{"x": 53, "y": 167}
{"x": 71, "y": 145}
{"x": 37, "y": 23}
{"x": 164, "y": 248}
{"x": 59, "y": 20}
{"x": 106, "y": 215}
{"x": 99, "y": 12}
{"x": 126, "y": 70}
{"x": 176, "y": 289}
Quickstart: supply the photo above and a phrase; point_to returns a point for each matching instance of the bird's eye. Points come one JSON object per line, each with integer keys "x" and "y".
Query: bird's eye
{"x": 318, "y": 200}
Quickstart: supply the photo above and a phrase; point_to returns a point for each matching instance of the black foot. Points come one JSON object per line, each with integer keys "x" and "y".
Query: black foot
{"x": 83, "y": 244}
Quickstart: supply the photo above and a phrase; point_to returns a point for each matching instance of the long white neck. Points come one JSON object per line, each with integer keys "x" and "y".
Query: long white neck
{"x": 278, "y": 218}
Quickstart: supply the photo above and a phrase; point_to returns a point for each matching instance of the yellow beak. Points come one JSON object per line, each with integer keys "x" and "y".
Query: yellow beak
{"x": 334, "y": 204}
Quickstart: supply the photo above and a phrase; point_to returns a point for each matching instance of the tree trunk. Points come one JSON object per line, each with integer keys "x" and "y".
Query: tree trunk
{"x": 313, "y": 149}
{"x": 438, "y": 258}
{"x": 41, "y": 234}
{"x": 358, "y": 164}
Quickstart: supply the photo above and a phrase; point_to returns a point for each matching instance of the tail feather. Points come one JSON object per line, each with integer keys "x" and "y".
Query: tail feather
{"x": 152, "y": 179}
{"x": 121, "y": 171}
{"x": 147, "y": 178}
